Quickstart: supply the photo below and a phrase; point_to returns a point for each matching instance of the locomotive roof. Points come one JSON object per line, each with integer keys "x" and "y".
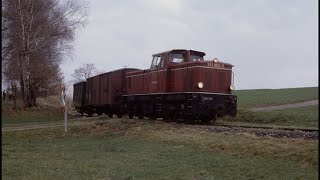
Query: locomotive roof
{"x": 177, "y": 50}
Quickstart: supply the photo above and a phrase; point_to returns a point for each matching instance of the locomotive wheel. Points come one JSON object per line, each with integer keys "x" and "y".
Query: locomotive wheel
{"x": 119, "y": 115}
{"x": 189, "y": 120}
{"x": 169, "y": 116}
{"x": 166, "y": 117}
{"x": 110, "y": 114}
{"x": 215, "y": 117}
{"x": 174, "y": 116}
{"x": 205, "y": 121}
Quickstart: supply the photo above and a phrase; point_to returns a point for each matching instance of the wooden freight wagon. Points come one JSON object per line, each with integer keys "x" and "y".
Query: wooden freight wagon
{"x": 104, "y": 92}
{"x": 79, "y": 95}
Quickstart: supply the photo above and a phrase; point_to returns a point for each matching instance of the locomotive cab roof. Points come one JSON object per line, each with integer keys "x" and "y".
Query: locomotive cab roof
{"x": 175, "y": 56}
{"x": 180, "y": 51}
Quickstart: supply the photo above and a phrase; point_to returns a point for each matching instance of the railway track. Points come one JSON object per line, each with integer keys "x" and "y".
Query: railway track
{"x": 257, "y": 130}
{"x": 278, "y": 132}
{"x": 272, "y": 128}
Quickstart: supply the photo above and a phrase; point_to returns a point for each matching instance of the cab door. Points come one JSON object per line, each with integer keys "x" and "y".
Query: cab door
{"x": 162, "y": 75}
{"x": 154, "y": 70}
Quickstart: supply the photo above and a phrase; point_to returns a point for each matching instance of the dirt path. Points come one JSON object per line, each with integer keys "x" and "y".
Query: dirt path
{"x": 285, "y": 106}
{"x": 21, "y": 127}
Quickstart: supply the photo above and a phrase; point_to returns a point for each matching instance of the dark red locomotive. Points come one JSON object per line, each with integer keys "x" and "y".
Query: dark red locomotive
{"x": 180, "y": 84}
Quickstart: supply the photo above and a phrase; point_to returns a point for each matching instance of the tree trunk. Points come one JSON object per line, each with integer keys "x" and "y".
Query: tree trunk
{"x": 33, "y": 101}
{"x": 22, "y": 89}
{"x": 15, "y": 97}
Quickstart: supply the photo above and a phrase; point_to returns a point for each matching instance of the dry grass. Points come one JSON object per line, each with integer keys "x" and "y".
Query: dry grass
{"x": 53, "y": 101}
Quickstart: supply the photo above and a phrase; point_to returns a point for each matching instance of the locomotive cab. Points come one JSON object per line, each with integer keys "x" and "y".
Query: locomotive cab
{"x": 187, "y": 71}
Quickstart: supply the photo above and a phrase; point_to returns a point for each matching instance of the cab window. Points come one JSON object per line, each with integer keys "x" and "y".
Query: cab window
{"x": 155, "y": 62}
{"x": 176, "y": 58}
{"x": 196, "y": 57}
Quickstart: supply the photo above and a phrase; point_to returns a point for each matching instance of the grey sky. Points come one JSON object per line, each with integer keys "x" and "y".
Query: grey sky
{"x": 271, "y": 43}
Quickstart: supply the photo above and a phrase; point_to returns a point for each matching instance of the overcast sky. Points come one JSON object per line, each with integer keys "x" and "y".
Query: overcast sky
{"x": 271, "y": 43}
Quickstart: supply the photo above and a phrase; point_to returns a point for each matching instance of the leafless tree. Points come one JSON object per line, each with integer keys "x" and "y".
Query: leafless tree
{"x": 83, "y": 72}
{"x": 36, "y": 34}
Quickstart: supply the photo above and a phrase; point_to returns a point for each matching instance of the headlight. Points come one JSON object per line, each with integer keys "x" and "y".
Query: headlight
{"x": 200, "y": 85}
{"x": 215, "y": 60}
{"x": 232, "y": 87}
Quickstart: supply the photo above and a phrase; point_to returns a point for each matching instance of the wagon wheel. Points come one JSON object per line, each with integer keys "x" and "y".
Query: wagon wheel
{"x": 130, "y": 115}
{"x": 110, "y": 114}
{"x": 152, "y": 115}
{"x": 140, "y": 115}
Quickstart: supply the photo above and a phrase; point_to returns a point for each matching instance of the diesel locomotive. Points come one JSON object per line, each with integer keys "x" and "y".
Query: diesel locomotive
{"x": 180, "y": 84}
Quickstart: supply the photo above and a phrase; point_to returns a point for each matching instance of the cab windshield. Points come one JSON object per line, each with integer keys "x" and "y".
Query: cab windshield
{"x": 178, "y": 57}
{"x": 196, "y": 58}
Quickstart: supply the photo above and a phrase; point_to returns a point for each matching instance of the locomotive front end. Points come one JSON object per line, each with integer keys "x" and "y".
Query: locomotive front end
{"x": 210, "y": 83}
{"x": 213, "y": 85}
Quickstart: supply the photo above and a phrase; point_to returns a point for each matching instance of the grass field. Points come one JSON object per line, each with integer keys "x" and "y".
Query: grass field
{"x": 265, "y": 97}
{"x": 135, "y": 149}
{"x": 306, "y": 116}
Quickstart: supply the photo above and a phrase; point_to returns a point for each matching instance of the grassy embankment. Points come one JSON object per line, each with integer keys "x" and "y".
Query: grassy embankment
{"x": 303, "y": 116}
{"x": 141, "y": 149}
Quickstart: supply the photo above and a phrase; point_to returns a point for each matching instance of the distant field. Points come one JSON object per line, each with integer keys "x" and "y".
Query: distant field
{"x": 129, "y": 149}
{"x": 264, "y": 97}
{"x": 303, "y": 116}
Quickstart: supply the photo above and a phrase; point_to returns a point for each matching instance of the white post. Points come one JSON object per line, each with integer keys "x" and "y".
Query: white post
{"x": 65, "y": 117}
{"x": 64, "y": 106}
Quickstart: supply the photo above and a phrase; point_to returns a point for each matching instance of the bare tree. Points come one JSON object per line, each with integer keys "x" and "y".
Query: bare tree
{"x": 83, "y": 72}
{"x": 36, "y": 36}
